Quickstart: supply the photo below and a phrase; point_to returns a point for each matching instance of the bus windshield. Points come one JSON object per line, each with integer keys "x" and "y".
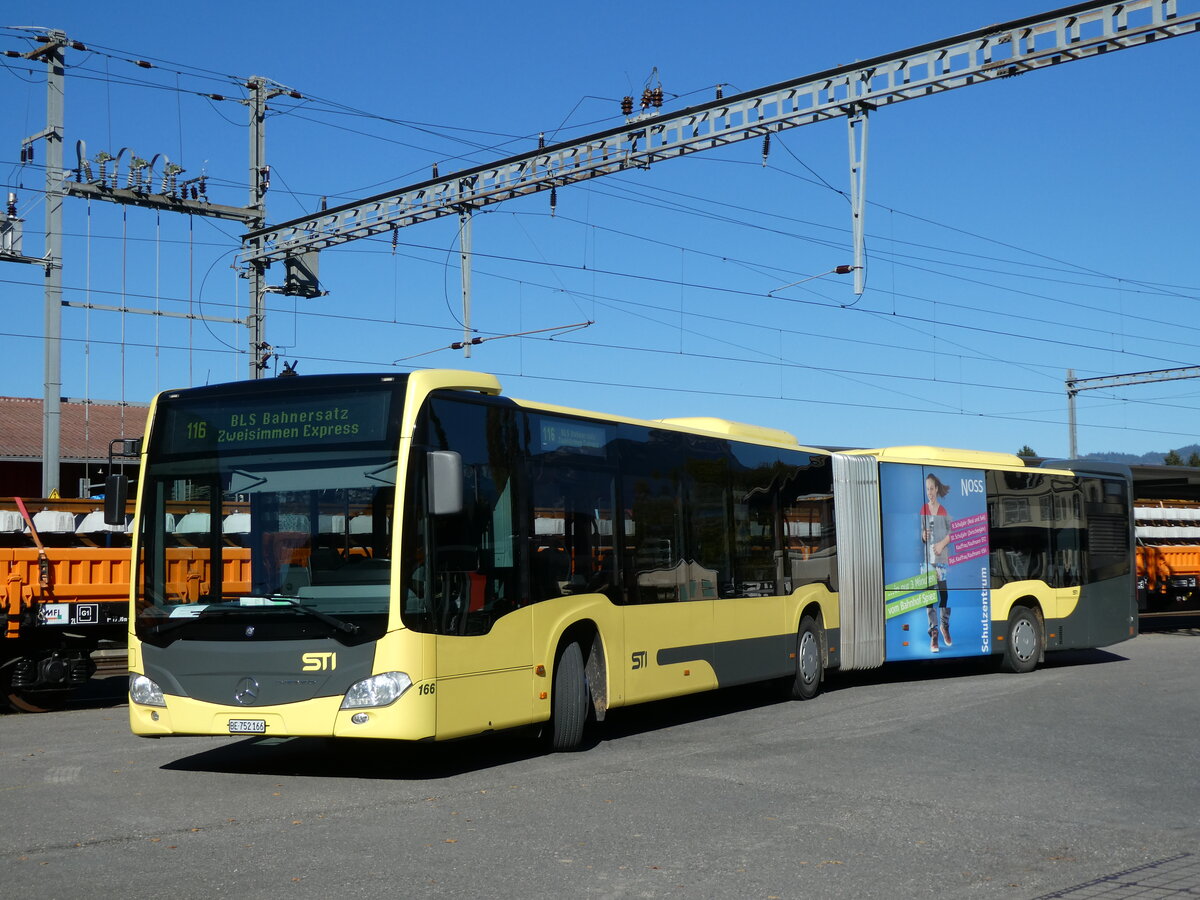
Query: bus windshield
{"x": 269, "y": 516}
{"x": 286, "y": 535}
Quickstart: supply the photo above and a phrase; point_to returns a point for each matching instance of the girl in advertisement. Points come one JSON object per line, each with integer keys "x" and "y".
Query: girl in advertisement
{"x": 935, "y": 533}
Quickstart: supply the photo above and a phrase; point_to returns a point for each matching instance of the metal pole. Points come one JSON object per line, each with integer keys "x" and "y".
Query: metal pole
{"x": 858, "y": 186}
{"x": 51, "y": 398}
{"x": 1071, "y": 392}
{"x": 256, "y": 320}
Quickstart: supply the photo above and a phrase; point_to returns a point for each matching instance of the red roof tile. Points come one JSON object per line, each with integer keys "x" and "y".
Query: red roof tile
{"x": 85, "y": 431}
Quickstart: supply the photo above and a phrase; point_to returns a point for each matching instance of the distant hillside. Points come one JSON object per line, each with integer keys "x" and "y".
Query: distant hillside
{"x": 1146, "y": 459}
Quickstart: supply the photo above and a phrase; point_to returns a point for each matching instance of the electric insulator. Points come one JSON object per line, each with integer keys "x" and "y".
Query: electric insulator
{"x": 141, "y": 63}
{"x": 435, "y": 171}
{"x": 647, "y": 98}
{"x": 542, "y": 141}
{"x": 626, "y": 105}
{"x": 395, "y": 235}
{"x": 195, "y": 193}
{"x": 720, "y": 91}
{"x": 215, "y": 97}
{"x": 553, "y": 200}
{"x": 843, "y": 270}
{"x": 656, "y": 97}
{"x": 77, "y": 45}
{"x": 766, "y": 147}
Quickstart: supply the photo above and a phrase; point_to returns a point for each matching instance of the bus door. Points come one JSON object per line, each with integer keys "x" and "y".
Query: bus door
{"x": 470, "y": 577}
{"x": 670, "y": 595}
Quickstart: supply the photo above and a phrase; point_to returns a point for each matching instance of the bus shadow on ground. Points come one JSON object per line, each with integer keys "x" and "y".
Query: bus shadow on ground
{"x": 359, "y": 758}
{"x": 962, "y": 667}
{"x": 371, "y": 759}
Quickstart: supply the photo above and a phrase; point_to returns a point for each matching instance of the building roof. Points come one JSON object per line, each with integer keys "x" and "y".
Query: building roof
{"x": 85, "y": 431}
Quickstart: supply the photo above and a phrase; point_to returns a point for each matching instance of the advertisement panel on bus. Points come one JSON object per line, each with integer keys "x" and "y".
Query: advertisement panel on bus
{"x": 935, "y": 561}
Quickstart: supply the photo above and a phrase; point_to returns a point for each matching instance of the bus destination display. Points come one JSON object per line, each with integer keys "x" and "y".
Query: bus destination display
{"x": 266, "y": 423}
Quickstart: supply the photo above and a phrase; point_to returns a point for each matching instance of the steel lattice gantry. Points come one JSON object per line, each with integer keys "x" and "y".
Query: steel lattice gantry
{"x": 998, "y": 51}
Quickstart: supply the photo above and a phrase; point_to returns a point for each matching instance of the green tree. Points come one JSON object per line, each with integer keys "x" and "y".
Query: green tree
{"x": 1172, "y": 459}
{"x": 1027, "y": 451}
{"x": 1194, "y": 460}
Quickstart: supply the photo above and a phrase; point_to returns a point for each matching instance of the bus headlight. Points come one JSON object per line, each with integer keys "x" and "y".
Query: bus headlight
{"x": 378, "y": 690}
{"x": 145, "y": 692}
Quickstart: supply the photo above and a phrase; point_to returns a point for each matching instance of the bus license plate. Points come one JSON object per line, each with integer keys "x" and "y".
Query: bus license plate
{"x": 247, "y": 726}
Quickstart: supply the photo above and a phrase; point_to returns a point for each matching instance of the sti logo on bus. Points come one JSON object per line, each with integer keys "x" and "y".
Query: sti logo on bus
{"x": 639, "y": 659}
{"x": 971, "y": 486}
{"x": 319, "y": 662}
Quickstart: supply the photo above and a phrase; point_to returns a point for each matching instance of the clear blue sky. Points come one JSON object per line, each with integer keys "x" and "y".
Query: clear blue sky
{"x": 1016, "y": 229}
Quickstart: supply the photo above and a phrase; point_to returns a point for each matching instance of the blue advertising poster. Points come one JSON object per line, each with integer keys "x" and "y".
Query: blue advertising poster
{"x": 935, "y": 561}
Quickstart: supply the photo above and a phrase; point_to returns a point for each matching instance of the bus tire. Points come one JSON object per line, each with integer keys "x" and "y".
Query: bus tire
{"x": 569, "y": 701}
{"x": 809, "y": 670}
{"x": 1023, "y": 644}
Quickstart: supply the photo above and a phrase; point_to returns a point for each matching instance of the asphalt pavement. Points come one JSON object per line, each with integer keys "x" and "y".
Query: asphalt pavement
{"x": 944, "y": 779}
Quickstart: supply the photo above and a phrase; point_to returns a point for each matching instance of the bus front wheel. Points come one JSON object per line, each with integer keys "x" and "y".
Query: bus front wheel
{"x": 1023, "y": 644}
{"x": 569, "y": 701}
{"x": 807, "y": 682}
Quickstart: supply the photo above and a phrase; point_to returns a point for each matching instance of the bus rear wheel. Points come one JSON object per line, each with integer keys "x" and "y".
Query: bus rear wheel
{"x": 1023, "y": 644}
{"x": 569, "y": 701}
{"x": 809, "y": 670}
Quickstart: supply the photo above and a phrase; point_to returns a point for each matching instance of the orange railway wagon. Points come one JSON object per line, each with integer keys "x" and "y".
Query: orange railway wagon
{"x": 1168, "y": 556}
{"x": 63, "y": 577}
{"x": 64, "y": 593}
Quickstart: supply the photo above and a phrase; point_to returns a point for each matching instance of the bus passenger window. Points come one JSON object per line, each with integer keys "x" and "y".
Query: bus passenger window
{"x": 656, "y": 541}
{"x": 755, "y": 483}
{"x": 1019, "y": 526}
{"x": 651, "y": 494}
{"x": 708, "y": 517}
{"x": 572, "y": 533}
{"x": 1066, "y": 531}
{"x": 811, "y": 548}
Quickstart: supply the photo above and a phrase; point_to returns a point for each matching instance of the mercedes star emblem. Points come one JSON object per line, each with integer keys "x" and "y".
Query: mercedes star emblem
{"x": 246, "y": 692}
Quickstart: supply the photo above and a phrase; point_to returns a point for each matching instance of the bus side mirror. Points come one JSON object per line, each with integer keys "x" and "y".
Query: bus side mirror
{"x": 445, "y": 482}
{"x": 116, "y": 492}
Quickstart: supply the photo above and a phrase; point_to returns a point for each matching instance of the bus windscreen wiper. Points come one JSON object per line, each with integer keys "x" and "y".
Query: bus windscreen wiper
{"x": 331, "y": 621}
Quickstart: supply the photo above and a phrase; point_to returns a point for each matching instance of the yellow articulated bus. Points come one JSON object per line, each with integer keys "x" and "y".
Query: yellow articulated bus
{"x": 417, "y": 557}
